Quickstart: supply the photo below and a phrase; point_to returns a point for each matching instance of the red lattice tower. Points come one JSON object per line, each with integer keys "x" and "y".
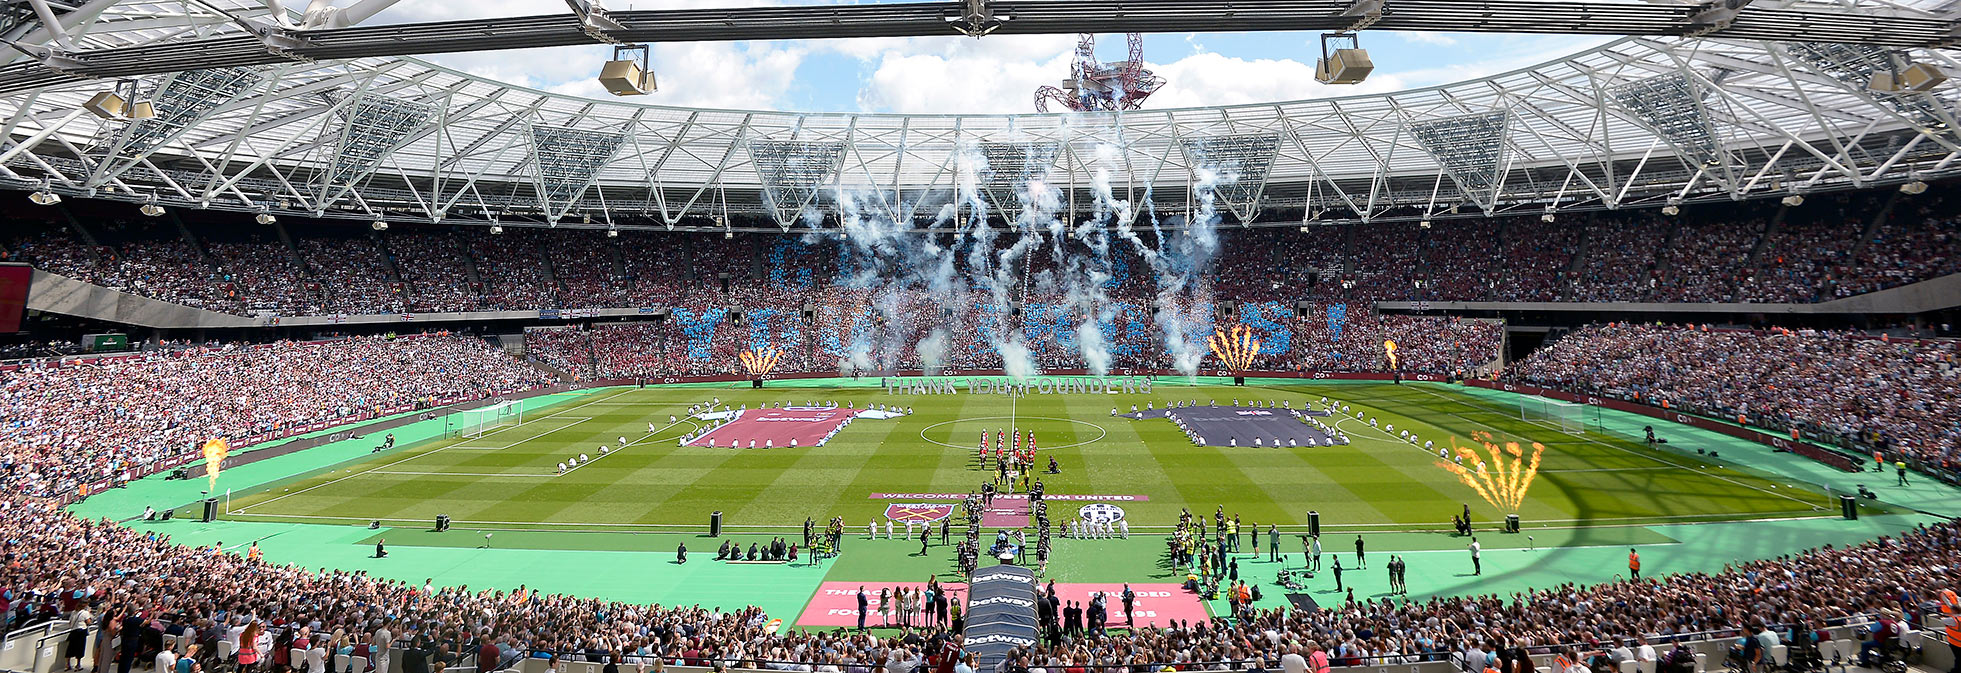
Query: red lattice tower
{"x": 1094, "y": 86}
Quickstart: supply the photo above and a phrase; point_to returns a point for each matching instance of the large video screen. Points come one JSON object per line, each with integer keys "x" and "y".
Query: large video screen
{"x": 14, "y": 279}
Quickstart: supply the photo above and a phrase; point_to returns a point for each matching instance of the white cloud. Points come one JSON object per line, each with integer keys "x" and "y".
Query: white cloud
{"x": 958, "y": 75}
{"x": 1417, "y": 37}
{"x": 1215, "y": 79}
{"x": 964, "y": 76}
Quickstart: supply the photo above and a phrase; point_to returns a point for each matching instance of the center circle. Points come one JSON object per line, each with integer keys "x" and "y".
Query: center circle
{"x": 1100, "y": 432}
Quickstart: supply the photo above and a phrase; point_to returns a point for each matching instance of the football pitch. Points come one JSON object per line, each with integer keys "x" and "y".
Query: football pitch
{"x": 509, "y": 477}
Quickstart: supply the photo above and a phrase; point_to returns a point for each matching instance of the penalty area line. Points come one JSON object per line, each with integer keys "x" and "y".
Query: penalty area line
{"x": 1655, "y": 458}
{"x": 392, "y": 464}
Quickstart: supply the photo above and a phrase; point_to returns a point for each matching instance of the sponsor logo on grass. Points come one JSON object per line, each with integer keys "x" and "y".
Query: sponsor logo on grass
{"x": 1083, "y": 497}
{"x": 1101, "y": 512}
{"x": 917, "y": 512}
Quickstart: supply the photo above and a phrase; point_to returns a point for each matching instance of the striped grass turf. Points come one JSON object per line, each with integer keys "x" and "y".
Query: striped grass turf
{"x": 506, "y": 479}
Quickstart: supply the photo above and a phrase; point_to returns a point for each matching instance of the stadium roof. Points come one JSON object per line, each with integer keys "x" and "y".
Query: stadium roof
{"x": 1653, "y": 118}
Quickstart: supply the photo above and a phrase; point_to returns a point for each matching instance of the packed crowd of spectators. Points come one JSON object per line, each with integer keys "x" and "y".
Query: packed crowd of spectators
{"x": 354, "y": 275}
{"x": 1619, "y": 264}
{"x": 261, "y": 275}
{"x": 1701, "y": 263}
{"x": 1900, "y": 395}
{"x": 132, "y": 587}
{"x": 908, "y": 330}
{"x": 1909, "y": 247}
{"x": 436, "y": 271}
{"x": 75, "y": 423}
{"x": 1747, "y": 252}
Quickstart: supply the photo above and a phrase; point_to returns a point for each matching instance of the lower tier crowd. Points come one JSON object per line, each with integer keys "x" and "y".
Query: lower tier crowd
{"x": 1899, "y": 396}
{"x": 66, "y": 424}
{"x": 131, "y": 587}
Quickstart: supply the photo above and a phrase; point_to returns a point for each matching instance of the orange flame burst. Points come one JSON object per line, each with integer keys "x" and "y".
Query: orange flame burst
{"x": 1504, "y": 478}
{"x": 1235, "y": 349}
{"x": 1390, "y": 348}
{"x": 214, "y": 458}
{"x": 760, "y": 363}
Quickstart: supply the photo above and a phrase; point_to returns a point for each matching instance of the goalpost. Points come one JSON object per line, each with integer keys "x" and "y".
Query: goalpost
{"x": 477, "y": 422}
{"x": 1570, "y": 417}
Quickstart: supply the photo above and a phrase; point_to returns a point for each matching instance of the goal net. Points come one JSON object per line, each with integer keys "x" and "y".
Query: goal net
{"x": 484, "y": 420}
{"x": 1569, "y": 417}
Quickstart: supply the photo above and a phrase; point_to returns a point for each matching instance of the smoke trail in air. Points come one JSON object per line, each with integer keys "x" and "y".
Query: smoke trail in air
{"x": 891, "y": 260}
{"x": 1179, "y": 264}
{"x": 998, "y": 271}
{"x": 1089, "y": 275}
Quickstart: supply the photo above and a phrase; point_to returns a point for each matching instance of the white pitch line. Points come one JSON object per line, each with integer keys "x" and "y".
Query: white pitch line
{"x": 642, "y": 440}
{"x": 1655, "y": 458}
{"x": 1608, "y": 469}
{"x": 404, "y": 460}
{"x": 462, "y": 474}
{"x": 575, "y": 421}
{"x": 1641, "y": 522}
{"x": 520, "y": 424}
{"x": 635, "y": 442}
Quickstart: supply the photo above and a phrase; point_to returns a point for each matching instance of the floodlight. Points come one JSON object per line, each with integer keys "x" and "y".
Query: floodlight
{"x": 496, "y": 228}
{"x": 1671, "y": 209}
{"x": 265, "y": 218}
{"x": 379, "y": 225}
{"x": 150, "y": 208}
{"x": 120, "y": 103}
{"x": 612, "y": 233}
{"x": 1546, "y": 217}
{"x": 624, "y": 76}
{"x": 106, "y": 104}
{"x": 1424, "y": 224}
{"x": 1343, "y": 60}
{"x": 1915, "y": 187}
{"x": 1794, "y": 200}
{"x": 1916, "y": 78}
{"x": 44, "y": 197}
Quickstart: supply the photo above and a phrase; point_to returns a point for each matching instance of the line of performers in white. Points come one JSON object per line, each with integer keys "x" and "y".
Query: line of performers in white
{"x": 1085, "y": 529}
{"x": 913, "y": 529}
{"x": 1330, "y": 436}
{"x": 581, "y": 459}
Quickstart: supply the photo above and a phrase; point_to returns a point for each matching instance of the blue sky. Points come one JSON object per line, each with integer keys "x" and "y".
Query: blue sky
{"x": 996, "y": 74}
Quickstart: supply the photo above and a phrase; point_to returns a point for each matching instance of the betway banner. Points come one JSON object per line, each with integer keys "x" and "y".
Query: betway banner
{"x": 1000, "y": 613}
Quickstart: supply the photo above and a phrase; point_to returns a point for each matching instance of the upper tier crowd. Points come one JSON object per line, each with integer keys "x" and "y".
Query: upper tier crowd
{"x": 1832, "y": 247}
{"x": 848, "y": 336}
{"x": 1902, "y": 395}
{"x": 63, "y": 425}
{"x": 136, "y": 586}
